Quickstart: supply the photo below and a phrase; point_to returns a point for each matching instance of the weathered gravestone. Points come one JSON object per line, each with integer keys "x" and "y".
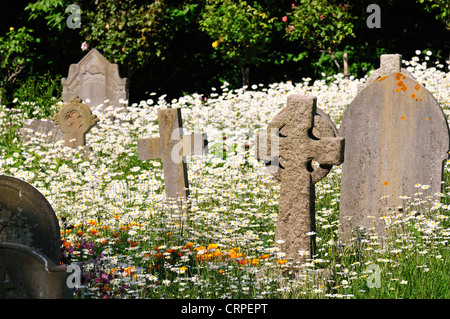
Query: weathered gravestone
{"x": 43, "y": 129}
{"x": 94, "y": 80}
{"x": 29, "y": 244}
{"x": 75, "y": 120}
{"x": 172, "y": 147}
{"x": 297, "y": 136}
{"x": 396, "y": 136}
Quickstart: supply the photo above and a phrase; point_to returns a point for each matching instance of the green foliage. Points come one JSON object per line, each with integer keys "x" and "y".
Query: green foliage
{"x": 319, "y": 24}
{"x": 52, "y": 10}
{"x": 441, "y": 9}
{"x": 240, "y": 31}
{"x": 15, "y": 54}
{"x": 127, "y": 33}
{"x": 36, "y": 96}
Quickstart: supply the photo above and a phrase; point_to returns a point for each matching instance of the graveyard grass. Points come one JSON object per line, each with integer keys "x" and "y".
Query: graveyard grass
{"x": 112, "y": 208}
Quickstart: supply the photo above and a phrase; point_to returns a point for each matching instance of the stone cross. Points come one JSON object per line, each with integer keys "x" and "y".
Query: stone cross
{"x": 396, "y": 136}
{"x": 75, "y": 120}
{"x": 94, "y": 79}
{"x": 172, "y": 147}
{"x": 294, "y": 150}
{"x": 29, "y": 244}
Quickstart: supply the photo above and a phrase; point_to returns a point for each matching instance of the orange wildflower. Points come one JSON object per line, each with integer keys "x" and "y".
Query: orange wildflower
{"x": 281, "y": 261}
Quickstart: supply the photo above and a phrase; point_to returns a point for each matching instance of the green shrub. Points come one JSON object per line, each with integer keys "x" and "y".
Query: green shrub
{"x": 36, "y": 96}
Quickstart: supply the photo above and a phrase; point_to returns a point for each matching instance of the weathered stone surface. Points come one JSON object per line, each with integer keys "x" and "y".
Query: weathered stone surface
{"x": 172, "y": 147}
{"x": 95, "y": 79}
{"x": 396, "y": 135}
{"x": 42, "y": 129}
{"x": 389, "y": 63}
{"x": 26, "y": 273}
{"x": 27, "y": 218}
{"x": 75, "y": 120}
{"x": 292, "y": 141}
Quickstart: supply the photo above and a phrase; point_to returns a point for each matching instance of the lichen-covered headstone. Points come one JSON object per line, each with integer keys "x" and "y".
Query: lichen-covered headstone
{"x": 296, "y": 137}
{"x": 94, "y": 80}
{"x": 172, "y": 147}
{"x": 29, "y": 244}
{"x": 396, "y": 136}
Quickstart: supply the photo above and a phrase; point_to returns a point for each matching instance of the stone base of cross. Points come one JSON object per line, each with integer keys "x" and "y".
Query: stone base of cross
{"x": 291, "y": 145}
{"x": 172, "y": 147}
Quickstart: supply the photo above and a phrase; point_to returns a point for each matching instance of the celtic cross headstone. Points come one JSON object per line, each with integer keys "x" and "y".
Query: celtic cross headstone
{"x": 297, "y": 136}
{"x": 75, "y": 120}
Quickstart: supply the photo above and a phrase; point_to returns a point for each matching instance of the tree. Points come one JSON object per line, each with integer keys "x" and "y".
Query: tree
{"x": 15, "y": 54}
{"x": 128, "y": 33}
{"x": 441, "y": 8}
{"x": 319, "y": 24}
{"x": 240, "y": 31}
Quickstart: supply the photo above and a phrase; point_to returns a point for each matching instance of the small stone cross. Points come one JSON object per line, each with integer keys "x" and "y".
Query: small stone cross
{"x": 296, "y": 151}
{"x": 75, "y": 120}
{"x": 172, "y": 147}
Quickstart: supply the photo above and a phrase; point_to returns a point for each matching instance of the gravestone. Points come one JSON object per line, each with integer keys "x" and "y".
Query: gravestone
{"x": 75, "y": 120}
{"x": 94, "y": 80}
{"x": 396, "y": 136}
{"x": 43, "y": 129}
{"x": 389, "y": 63}
{"x": 29, "y": 244}
{"x": 172, "y": 147}
{"x": 25, "y": 273}
{"x": 297, "y": 136}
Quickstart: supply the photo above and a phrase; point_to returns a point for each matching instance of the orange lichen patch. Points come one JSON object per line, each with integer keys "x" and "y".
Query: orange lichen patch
{"x": 382, "y": 78}
{"x": 402, "y": 117}
{"x": 427, "y": 119}
{"x": 418, "y": 99}
{"x": 403, "y": 77}
{"x": 413, "y": 95}
{"x": 417, "y": 87}
{"x": 398, "y": 76}
{"x": 397, "y": 90}
{"x": 403, "y": 88}
{"x": 385, "y": 183}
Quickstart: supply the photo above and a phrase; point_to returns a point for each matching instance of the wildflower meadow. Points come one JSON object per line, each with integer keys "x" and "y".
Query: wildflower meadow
{"x": 116, "y": 226}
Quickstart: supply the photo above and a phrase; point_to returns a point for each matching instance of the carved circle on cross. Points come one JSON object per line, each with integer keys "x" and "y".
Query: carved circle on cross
{"x": 323, "y": 127}
{"x": 75, "y": 117}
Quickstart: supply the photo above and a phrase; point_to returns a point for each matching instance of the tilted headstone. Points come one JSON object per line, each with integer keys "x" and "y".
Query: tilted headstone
{"x": 172, "y": 147}
{"x": 94, "y": 80}
{"x": 396, "y": 136}
{"x": 297, "y": 136}
{"x": 29, "y": 244}
{"x": 75, "y": 120}
{"x": 43, "y": 129}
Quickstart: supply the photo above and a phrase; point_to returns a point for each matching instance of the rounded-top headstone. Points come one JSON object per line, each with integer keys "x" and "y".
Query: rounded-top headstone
{"x": 396, "y": 136}
{"x": 27, "y": 218}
